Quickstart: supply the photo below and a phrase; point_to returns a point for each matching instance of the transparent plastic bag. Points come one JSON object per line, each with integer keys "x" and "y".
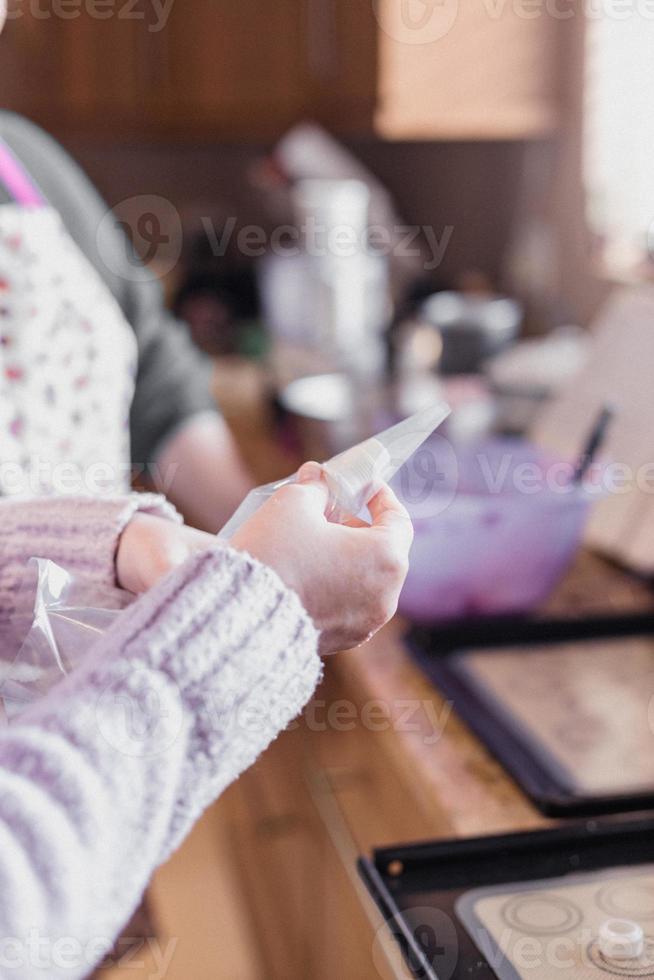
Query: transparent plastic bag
{"x": 62, "y": 616}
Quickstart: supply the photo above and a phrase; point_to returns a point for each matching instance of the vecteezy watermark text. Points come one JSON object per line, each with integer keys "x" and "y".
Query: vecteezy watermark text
{"x": 148, "y": 720}
{"x": 154, "y": 226}
{"x": 416, "y": 22}
{"x": 153, "y": 15}
{"x": 616, "y": 10}
{"x": 340, "y": 241}
{"x": 40, "y": 474}
{"x": 33, "y": 951}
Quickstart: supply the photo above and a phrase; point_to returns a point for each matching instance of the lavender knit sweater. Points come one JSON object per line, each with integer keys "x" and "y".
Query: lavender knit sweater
{"x": 102, "y": 779}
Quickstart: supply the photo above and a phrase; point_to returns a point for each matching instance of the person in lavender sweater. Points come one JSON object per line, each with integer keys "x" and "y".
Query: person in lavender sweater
{"x": 103, "y": 778}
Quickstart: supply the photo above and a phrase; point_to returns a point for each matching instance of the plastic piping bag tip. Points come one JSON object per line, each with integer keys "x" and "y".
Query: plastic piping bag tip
{"x": 402, "y": 440}
{"x": 355, "y": 475}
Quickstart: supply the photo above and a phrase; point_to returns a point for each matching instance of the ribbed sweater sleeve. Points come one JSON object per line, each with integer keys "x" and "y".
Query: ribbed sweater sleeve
{"x": 102, "y": 779}
{"x": 79, "y": 533}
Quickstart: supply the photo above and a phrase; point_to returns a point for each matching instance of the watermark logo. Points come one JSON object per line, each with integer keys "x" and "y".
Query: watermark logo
{"x": 435, "y": 937}
{"x": 141, "y": 719}
{"x": 416, "y": 21}
{"x": 427, "y": 483}
{"x": 153, "y": 235}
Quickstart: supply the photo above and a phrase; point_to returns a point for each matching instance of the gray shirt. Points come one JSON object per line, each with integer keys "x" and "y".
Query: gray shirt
{"x": 172, "y": 382}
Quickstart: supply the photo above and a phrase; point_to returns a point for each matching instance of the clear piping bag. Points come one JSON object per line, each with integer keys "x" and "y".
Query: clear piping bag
{"x": 354, "y": 476}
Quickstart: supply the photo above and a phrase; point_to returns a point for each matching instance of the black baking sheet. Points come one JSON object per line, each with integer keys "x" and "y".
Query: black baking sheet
{"x": 424, "y": 891}
{"x": 525, "y": 754}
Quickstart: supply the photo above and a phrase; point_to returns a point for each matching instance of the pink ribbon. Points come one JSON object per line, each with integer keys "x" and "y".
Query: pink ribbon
{"x": 17, "y": 181}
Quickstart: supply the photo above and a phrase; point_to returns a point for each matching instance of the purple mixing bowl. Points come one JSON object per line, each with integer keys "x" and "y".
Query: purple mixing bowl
{"x": 496, "y": 526}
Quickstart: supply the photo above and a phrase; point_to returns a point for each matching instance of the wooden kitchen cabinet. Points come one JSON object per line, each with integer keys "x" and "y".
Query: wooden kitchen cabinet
{"x": 342, "y": 48}
{"x": 435, "y": 69}
{"x": 233, "y": 68}
{"x": 240, "y": 69}
{"x": 31, "y": 63}
{"x": 212, "y": 69}
{"x": 467, "y": 70}
{"x": 78, "y": 72}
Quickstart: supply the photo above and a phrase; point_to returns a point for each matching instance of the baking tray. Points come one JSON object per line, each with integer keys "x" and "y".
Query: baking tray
{"x": 426, "y": 893}
{"x": 536, "y": 760}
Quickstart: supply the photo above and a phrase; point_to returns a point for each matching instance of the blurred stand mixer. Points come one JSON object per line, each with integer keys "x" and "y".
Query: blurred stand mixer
{"x": 325, "y": 291}
{"x": 326, "y": 299}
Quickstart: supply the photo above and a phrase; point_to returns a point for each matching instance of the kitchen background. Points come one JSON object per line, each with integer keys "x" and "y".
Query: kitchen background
{"x": 478, "y": 130}
{"x": 517, "y": 136}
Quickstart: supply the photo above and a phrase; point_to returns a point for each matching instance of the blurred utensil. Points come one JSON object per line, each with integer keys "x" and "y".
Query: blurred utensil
{"x": 594, "y": 442}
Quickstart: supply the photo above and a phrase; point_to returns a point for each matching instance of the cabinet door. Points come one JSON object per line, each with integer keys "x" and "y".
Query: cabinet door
{"x": 235, "y": 69}
{"x": 203, "y": 68}
{"x": 232, "y": 69}
{"x": 104, "y": 71}
{"x": 341, "y": 41}
{"x": 78, "y": 66}
{"x": 457, "y": 70}
{"x": 31, "y": 63}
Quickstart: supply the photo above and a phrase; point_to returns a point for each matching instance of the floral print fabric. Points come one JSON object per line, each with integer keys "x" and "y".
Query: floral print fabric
{"x": 67, "y": 364}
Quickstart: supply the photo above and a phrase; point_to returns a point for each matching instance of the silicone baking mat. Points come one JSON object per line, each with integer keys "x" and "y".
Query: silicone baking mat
{"x": 584, "y": 709}
{"x": 548, "y": 930}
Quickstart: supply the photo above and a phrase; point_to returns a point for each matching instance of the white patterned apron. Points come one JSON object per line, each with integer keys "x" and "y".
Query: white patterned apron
{"x": 67, "y": 361}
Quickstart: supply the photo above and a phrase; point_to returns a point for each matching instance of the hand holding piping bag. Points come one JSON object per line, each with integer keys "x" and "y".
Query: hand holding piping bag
{"x": 348, "y": 576}
{"x": 354, "y": 476}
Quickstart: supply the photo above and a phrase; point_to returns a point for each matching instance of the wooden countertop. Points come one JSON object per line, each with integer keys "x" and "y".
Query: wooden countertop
{"x": 453, "y": 785}
{"x": 454, "y": 781}
{"x": 378, "y": 758}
